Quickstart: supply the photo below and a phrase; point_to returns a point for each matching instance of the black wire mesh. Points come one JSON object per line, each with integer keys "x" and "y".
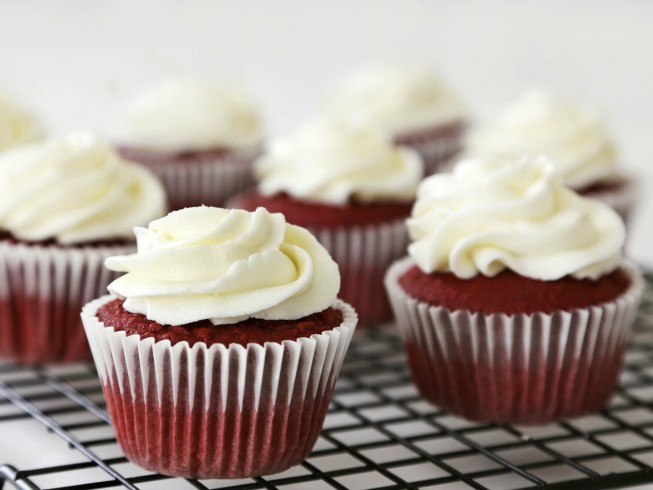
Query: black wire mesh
{"x": 378, "y": 434}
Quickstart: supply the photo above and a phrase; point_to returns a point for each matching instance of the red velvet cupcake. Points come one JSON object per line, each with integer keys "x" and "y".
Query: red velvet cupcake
{"x": 200, "y": 140}
{"x": 68, "y": 204}
{"x": 573, "y": 136}
{"x": 411, "y": 104}
{"x": 514, "y": 305}
{"x": 352, "y": 188}
{"x": 219, "y": 358}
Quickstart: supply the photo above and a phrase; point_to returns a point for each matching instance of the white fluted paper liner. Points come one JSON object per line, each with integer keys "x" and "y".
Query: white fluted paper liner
{"x": 621, "y": 199}
{"x": 42, "y": 290}
{"x": 521, "y": 368}
{"x": 207, "y": 181}
{"x": 218, "y": 411}
{"x": 363, "y": 254}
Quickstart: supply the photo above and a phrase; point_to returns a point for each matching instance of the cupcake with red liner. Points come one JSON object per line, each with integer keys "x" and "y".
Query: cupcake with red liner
{"x": 17, "y": 125}
{"x": 514, "y": 304}
{"x": 352, "y": 188}
{"x": 200, "y": 139}
{"x": 573, "y": 136}
{"x": 414, "y": 105}
{"x": 219, "y": 351}
{"x": 67, "y": 204}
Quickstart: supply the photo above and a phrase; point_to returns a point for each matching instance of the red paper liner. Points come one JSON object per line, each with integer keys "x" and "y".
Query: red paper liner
{"x": 42, "y": 291}
{"x": 218, "y": 411}
{"x": 523, "y": 369}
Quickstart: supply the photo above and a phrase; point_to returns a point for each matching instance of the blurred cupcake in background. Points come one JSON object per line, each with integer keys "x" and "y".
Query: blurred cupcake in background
{"x": 199, "y": 138}
{"x": 414, "y": 105}
{"x": 67, "y": 204}
{"x": 573, "y": 136}
{"x": 515, "y": 304}
{"x": 352, "y": 188}
{"x": 17, "y": 125}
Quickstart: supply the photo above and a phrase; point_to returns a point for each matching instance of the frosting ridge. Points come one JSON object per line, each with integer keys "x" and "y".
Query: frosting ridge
{"x": 75, "y": 189}
{"x": 491, "y": 214}
{"x": 333, "y": 161}
{"x": 225, "y": 265}
{"x": 17, "y": 126}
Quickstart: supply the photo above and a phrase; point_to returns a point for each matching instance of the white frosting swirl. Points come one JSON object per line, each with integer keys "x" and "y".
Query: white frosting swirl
{"x": 225, "y": 266}
{"x": 491, "y": 214}
{"x": 574, "y": 137}
{"x": 401, "y": 100}
{"x": 75, "y": 189}
{"x": 17, "y": 126}
{"x": 189, "y": 114}
{"x": 334, "y": 161}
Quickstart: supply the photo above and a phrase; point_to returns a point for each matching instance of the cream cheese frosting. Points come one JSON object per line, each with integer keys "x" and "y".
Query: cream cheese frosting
{"x": 573, "y": 136}
{"x": 491, "y": 214}
{"x": 225, "y": 265}
{"x": 17, "y": 126}
{"x": 399, "y": 99}
{"x": 334, "y": 161}
{"x": 75, "y": 189}
{"x": 188, "y": 114}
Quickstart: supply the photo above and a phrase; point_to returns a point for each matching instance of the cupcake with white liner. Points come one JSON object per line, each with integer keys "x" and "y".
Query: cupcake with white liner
{"x": 514, "y": 304}
{"x": 219, "y": 351}
{"x": 352, "y": 188}
{"x": 412, "y": 104}
{"x": 67, "y": 204}
{"x": 200, "y": 139}
{"x": 17, "y": 125}
{"x": 574, "y": 136}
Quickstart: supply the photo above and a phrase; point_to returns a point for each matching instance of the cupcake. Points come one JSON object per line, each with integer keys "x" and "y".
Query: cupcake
{"x": 352, "y": 188}
{"x": 67, "y": 204}
{"x": 200, "y": 139}
{"x": 573, "y": 136}
{"x": 17, "y": 126}
{"x": 413, "y": 105}
{"x": 220, "y": 346}
{"x": 514, "y": 303}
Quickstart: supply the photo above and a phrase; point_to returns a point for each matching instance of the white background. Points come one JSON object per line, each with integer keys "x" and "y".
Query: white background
{"x": 76, "y": 62}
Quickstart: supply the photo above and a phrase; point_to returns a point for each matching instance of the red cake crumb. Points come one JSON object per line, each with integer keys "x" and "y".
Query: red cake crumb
{"x": 153, "y": 157}
{"x": 115, "y": 242}
{"x": 511, "y": 293}
{"x": 248, "y": 331}
{"x": 602, "y": 187}
{"x": 304, "y": 213}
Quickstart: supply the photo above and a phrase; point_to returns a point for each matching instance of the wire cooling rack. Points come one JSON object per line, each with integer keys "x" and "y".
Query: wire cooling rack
{"x": 378, "y": 434}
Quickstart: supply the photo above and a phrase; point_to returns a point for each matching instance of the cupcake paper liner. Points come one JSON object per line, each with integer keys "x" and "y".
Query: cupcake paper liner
{"x": 219, "y": 411}
{"x": 42, "y": 290}
{"x": 526, "y": 369}
{"x": 208, "y": 181}
{"x": 437, "y": 151}
{"x": 622, "y": 200}
{"x": 363, "y": 254}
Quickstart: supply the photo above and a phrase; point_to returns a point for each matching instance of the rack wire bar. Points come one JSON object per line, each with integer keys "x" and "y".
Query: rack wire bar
{"x": 379, "y": 433}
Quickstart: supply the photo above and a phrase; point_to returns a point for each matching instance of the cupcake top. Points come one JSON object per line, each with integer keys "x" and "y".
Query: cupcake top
{"x": 399, "y": 99}
{"x": 573, "y": 136}
{"x": 74, "y": 189}
{"x": 225, "y": 266}
{"x": 336, "y": 161}
{"x": 193, "y": 115}
{"x": 491, "y": 214}
{"x": 17, "y": 126}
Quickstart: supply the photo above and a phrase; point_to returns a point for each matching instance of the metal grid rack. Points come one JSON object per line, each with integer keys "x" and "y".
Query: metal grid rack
{"x": 378, "y": 434}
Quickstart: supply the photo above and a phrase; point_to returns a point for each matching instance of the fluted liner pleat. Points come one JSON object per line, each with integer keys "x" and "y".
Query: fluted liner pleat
{"x": 42, "y": 291}
{"x": 363, "y": 254}
{"x": 207, "y": 181}
{"x": 527, "y": 369}
{"x": 218, "y": 411}
{"x": 438, "y": 153}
